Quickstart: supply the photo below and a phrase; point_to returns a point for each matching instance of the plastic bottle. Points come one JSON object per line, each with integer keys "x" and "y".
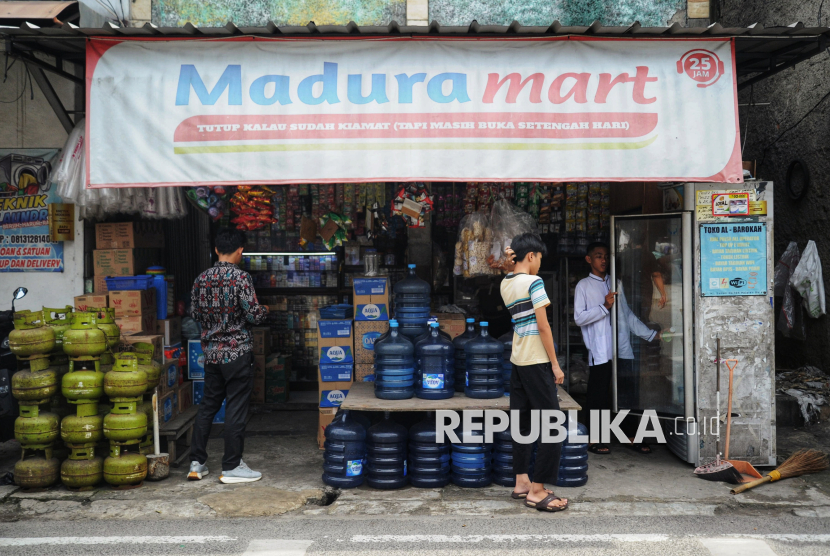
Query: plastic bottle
{"x": 345, "y": 452}
{"x": 386, "y": 455}
{"x": 394, "y": 366}
{"x": 460, "y": 355}
{"x": 472, "y": 460}
{"x": 484, "y": 366}
{"x": 426, "y": 334}
{"x": 503, "y": 459}
{"x": 429, "y": 460}
{"x": 507, "y": 366}
{"x": 412, "y": 302}
{"x": 161, "y": 296}
{"x": 435, "y": 375}
{"x": 573, "y": 465}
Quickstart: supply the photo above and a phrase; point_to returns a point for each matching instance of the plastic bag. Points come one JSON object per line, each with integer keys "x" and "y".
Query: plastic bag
{"x": 475, "y": 238}
{"x": 507, "y": 222}
{"x": 785, "y": 266}
{"x": 791, "y": 320}
{"x": 807, "y": 280}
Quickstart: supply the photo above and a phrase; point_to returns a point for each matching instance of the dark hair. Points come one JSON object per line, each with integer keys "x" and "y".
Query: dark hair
{"x": 229, "y": 240}
{"x": 596, "y": 245}
{"x": 526, "y": 243}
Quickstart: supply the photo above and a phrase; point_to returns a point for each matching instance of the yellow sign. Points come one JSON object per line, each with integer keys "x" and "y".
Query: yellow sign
{"x": 707, "y": 199}
{"x": 61, "y": 222}
{"x": 758, "y": 208}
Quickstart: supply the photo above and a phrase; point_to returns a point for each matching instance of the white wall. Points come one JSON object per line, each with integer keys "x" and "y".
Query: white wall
{"x": 31, "y": 124}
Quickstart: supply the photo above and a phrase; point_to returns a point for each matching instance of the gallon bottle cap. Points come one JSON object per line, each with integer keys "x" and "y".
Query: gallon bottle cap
{"x": 393, "y": 323}
{"x": 410, "y": 266}
{"x": 484, "y": 323}
{"x": 471, "y": 320}
{"x": 434, "y": 324}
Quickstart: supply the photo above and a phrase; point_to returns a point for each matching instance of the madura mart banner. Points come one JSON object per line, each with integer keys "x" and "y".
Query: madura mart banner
{"x": 212, "y": 112}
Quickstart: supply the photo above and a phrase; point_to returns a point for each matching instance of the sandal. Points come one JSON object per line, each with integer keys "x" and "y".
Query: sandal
{"x": 544, "y": 505}
{"x": 640, "y": 448}
{"x": 600, "y": 449}
{"x": 522, "y": 495}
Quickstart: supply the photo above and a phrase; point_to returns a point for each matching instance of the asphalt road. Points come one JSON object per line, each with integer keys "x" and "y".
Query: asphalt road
{"x": 535, "y": 534}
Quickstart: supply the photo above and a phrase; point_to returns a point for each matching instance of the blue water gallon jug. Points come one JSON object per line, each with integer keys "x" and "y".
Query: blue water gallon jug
{"x": 435, "y": 375}
{"x": 507, "y": 366}
{"x": 472, "y": 460}
{"x": 426, "y": 334}
{"x": 429, "y": 460}
{"x": 460, "y": 356}
{"x": 483, "y": 355}
{"x": 345, "y": 452}
{"x": 503, "y": 459}
{"x": 161, "y": 296}
{"x": 412, "y": 303}
{"x": 394, "y": 366}
{"x": 573, "y": 465}
{"x": 386, "y": 454}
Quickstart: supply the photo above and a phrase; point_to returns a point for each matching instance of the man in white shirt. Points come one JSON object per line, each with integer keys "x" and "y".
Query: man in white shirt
{"x": 593, "y": 300}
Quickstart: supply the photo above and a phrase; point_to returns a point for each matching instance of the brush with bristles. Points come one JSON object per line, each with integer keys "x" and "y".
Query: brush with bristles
{"x": 800, "y": 463}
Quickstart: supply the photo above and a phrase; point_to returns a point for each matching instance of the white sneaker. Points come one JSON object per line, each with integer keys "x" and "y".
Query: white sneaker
{"x": 197, "y": 471}
{"x": 242, "y": 474}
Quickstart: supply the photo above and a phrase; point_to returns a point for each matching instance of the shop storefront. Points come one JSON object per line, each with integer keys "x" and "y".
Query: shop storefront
{"x": 352, "y": 156}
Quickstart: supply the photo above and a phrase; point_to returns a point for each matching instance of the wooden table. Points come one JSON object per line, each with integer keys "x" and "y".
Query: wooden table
{"x": 174, "y": 430}
{"x": 361, "y": 397}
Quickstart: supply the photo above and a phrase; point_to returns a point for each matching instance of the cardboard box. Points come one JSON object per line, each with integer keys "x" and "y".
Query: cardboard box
{"x": 167, "y": 408}
{"x": 332, "y": 394}
{"x": 453, "y": 324}
{"x": 113, "y": 262}
{"x": 335, "y": 339}
{"x": 170, "y": 329}
{"x": 326, "y": 416}
{"x": 129, "y": 303}
{"x": 335, "y": 373}
{"x": 195, "y": 360}
{"x": 371, "y": 298}
{"x": 365, "y": 334}
{"x": 277, "y": 367}
{"x": 362, "y": 372}
{"x": 145, "y": 324}
{"x": 169, "y": 380}
{"x": 276, "y": 392}
{"x": 153, "y": 339}
{"x": 128, "y": 235}
{"x": 99, "y": 284}
{"x": 262, "y": 340}
{"x": 185, "y": 396}
{"x": 83, "y": 302}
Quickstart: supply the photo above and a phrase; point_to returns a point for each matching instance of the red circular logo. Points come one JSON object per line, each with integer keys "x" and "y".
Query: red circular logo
{"x": 701, "y": 65}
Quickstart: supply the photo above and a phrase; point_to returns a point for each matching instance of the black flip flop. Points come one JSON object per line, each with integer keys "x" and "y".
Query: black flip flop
{"x": 639, "y": 448}
{"x": 544, "y": 505}
{"x": 595, "y": 448}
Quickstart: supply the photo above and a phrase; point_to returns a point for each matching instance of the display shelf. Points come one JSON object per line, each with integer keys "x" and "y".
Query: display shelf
{"x": 297, "y": 291}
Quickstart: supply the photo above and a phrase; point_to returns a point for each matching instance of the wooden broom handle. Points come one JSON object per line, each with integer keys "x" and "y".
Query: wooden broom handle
{"x": 753, "y": 484}
{"x": 729, "y": 404}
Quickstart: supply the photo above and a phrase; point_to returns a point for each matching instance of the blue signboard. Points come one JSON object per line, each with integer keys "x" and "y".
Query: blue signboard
{"x": 733, "y": 259}
{"x": 26, "y": 190}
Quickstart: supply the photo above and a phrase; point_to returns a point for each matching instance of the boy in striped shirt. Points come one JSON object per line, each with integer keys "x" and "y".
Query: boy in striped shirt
{"x": 536, "y": 371}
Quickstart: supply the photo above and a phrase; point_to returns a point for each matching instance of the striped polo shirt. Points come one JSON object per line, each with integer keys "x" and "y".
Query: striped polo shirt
{"x": 522, "y": 295}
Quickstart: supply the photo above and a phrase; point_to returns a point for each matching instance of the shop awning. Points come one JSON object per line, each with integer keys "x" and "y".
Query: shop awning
{"x": 42, "y": 14}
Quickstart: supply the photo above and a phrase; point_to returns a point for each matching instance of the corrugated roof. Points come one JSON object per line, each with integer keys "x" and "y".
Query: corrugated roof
{"x": 41, "y": 12}
{"x": 760, "y": 51}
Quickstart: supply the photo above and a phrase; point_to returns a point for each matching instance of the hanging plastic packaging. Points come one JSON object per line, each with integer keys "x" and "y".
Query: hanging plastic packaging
{"x": 473, "y": 246}
{"x": 507, "y": 222}
{"x": 807, "y": 281}
{"x": 791, "y": 319}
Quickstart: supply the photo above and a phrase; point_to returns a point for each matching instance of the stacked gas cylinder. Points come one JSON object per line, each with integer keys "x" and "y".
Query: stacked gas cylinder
{"x": 34, "y": 385}
{"x": 146, "y": 363}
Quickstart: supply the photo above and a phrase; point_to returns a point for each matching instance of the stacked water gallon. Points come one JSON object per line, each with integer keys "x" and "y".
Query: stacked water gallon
{"x": 429, "y": 460}
{"x": 483, "y": 355}
{"x": 386, "y": 454}
{"x": 573, "y": 466}
{"x": 426, "y": 334}
{"x": 394, "y": 366}
{"x": 412, "y": 302}
{"x": 507, "y": 366}
{"x": 503, "y": 459}
{"x": 460, "y": 355}
{"x": 434, "y": 358}
{"x": 472, "y": 460}
{"x": 345, "y": 452}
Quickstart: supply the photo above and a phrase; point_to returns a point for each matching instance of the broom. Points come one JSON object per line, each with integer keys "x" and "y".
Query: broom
{"x": 720, "y": 470}
{"x": 800, "y": 463}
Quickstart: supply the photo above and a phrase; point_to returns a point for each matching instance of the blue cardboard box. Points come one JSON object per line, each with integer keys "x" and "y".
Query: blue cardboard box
{"x": 220, "y": 416}
{"x": 334, "y": 397}
{"x": 198, "y": 396}
{"x": 371, "y": 299}
{"x": 335, "y": 339}
{"x": 195, "y": 360}
{"x": 336, "y": 372}
{"x": 336, "y": 354}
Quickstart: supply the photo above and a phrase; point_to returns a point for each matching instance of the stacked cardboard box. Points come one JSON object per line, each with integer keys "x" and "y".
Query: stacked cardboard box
{"x": 171, "y": 329}
{"x": 277, "y": 370}
{"x": 97, "y": 300}
{"x": 453, "y": 324}
{"x": 371, "y": 299}
{"x": 335, "y": 340}
{"x": 135, "y": 310}
{"x": 125, "y": 249}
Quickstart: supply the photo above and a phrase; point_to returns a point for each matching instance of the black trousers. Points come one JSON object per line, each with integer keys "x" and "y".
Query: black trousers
{"x": 600, "y": 394}
{"x": 534, "y": 387}
{"x": 232, "y": 382}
